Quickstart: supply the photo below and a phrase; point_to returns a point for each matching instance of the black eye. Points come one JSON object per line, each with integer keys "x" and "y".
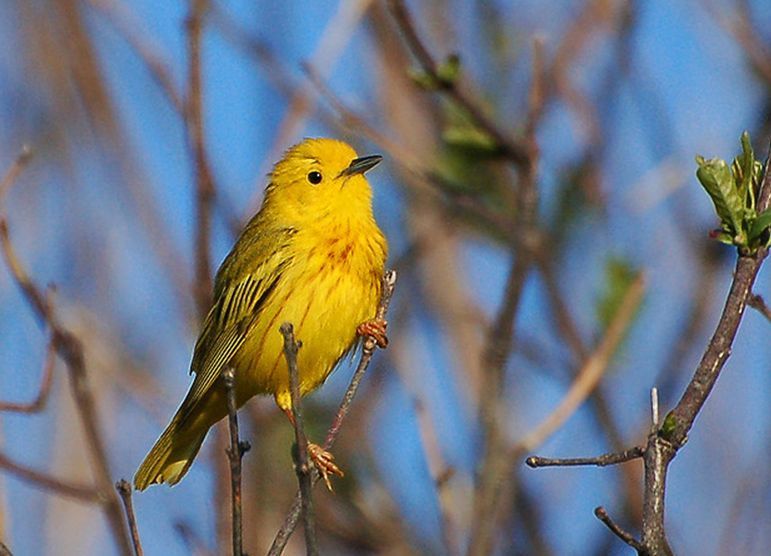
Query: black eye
{"x": 314, "y": 177}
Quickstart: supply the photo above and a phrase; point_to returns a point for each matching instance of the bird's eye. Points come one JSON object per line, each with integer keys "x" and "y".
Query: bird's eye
{"x": 314, "y": 177}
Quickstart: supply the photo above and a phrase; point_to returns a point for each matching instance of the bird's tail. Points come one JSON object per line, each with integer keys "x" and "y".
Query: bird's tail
{"x": 171, "y": 456}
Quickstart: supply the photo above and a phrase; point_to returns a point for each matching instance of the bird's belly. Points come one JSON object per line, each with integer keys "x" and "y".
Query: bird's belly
{"x": 325, "y": 309}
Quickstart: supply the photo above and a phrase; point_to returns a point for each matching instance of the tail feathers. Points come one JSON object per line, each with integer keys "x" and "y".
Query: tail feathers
{"x": 170, "y": 457}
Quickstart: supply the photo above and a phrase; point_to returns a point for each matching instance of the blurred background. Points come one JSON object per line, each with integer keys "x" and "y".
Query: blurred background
{"x": 110, "y": 210}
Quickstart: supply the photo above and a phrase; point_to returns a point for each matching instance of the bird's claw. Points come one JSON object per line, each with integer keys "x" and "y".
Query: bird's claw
{"x": 375, "y": 328}
{"x": 325, "y": 463}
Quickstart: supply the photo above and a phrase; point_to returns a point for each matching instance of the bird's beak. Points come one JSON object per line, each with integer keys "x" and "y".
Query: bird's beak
{"x": 361, "y": 165}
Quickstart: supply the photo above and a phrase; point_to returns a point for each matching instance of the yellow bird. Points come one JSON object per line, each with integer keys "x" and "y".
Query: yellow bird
{"x": 313, "y": 256}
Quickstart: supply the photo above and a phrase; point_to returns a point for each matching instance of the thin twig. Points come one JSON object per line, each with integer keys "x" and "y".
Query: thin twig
{"x": 613, "y": 458}
{"x": 368, "y": 349}
{"x": 124, "y": 489}
{"x": 302, "y": 467}
{"x": 70, "y": 349}
{"x": 758, "y": 303}
{"x": 603, "y": 516}
{"x": 48, "y": 482}
{"x": 46, "y": 381}
{"x": 235, "y": 453}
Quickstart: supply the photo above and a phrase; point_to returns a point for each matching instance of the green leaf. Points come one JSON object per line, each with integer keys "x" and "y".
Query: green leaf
{"x": 743, "y": 169}
{"x": 619, "y": 275}
{"x": 760, "y": 224}
{"x": 717, "y": 179}
{"x": 469, "y": 137}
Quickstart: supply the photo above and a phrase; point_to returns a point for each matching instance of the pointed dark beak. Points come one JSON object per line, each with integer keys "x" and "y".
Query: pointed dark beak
{"x": 361, "y": 165}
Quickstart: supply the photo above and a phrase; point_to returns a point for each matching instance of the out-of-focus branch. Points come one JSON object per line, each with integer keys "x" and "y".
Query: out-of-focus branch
{"x": 517, "y": 151}
{"x": 204, "y": 182}
{"x": 45, "y": 387}
{"x": 495, "y": 461}
{"x": 302, "y": 467}
{"x": 119, "y": 16}
{"x": 592, "y": 371}
{"x": 70, "y": 349}
{"x": 124, "y": 489}
{"x": 47, "y": 482}
{"x": 665, "y": 440}
{"x": 15, "y": 170}
{"x": 368, "y": 350}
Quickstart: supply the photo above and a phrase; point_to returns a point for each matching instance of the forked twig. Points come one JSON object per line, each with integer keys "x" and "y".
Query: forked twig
{"x": 368, "y": 349}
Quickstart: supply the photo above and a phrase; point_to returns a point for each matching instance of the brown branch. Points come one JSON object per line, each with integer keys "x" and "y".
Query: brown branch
{"x": 121, "y": 19}
{"x": 46, "y": 381}
{"x": 124, "y": 490}
{"x": 235, "y": 453}
{"x": 70, "y": 349}
{"x": 663, "y": 443}
{"x": 613, "y": 458}
{"x": 13, "y": 173}
{"x": 302, "y": 467}
{"x": 48, "y": 482}
{"x": 591, "y": 372}
{"x": 204, "y": 190}
{"x": 517, "y": 151}
{"x": 4, "y": 550}
{"x": 758, "y": 303}
{"x": 495, "y": 460}
{"x": 603, "y": 516}
{"x": 368, "y": 350}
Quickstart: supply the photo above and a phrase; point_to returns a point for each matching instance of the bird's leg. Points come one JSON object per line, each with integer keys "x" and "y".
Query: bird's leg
{"x": 375, "y": 328}
{"x": 323, "y": 461}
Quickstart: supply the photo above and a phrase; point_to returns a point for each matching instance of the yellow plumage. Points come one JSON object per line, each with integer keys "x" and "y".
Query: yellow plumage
{"x": 313, "y": 256}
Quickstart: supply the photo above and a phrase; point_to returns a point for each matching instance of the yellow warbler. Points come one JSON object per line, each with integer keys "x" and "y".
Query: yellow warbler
{"x": 313, "y": 256}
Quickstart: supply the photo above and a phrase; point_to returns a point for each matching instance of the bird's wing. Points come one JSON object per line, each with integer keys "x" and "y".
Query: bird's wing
{"x": 240, "y": 294}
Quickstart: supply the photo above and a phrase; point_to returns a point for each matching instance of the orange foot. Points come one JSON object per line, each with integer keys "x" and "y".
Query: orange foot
{"x": 324, "y": 462}
{"x": 375, "y": 328}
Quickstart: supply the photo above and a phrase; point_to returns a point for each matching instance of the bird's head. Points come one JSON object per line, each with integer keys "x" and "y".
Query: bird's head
{"x": 318, "y": 177}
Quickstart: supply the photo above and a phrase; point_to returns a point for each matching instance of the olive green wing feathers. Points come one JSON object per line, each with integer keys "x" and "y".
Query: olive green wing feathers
{"x": 245, "y": 281}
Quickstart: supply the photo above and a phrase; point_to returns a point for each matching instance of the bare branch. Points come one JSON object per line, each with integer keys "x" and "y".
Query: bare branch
{"x": 124, "y": 489}
{"x": 235, "y": 453}
{"x": 591, "y": 372}
{"x": 302, "y": 467}
{"x": 205, "y": 191}
{"x": 46, "y": 381}
{"x": 603, "y": 516}
{"x": 45, "y": 481}
{"x": 70, "y": 349}
{"x": 758, "y": 303}
{"x": 516, "y": 151}
{"x": 368, "y": 350}
{"x": 613, "y": 458}
{"x": 15, "y": 170}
